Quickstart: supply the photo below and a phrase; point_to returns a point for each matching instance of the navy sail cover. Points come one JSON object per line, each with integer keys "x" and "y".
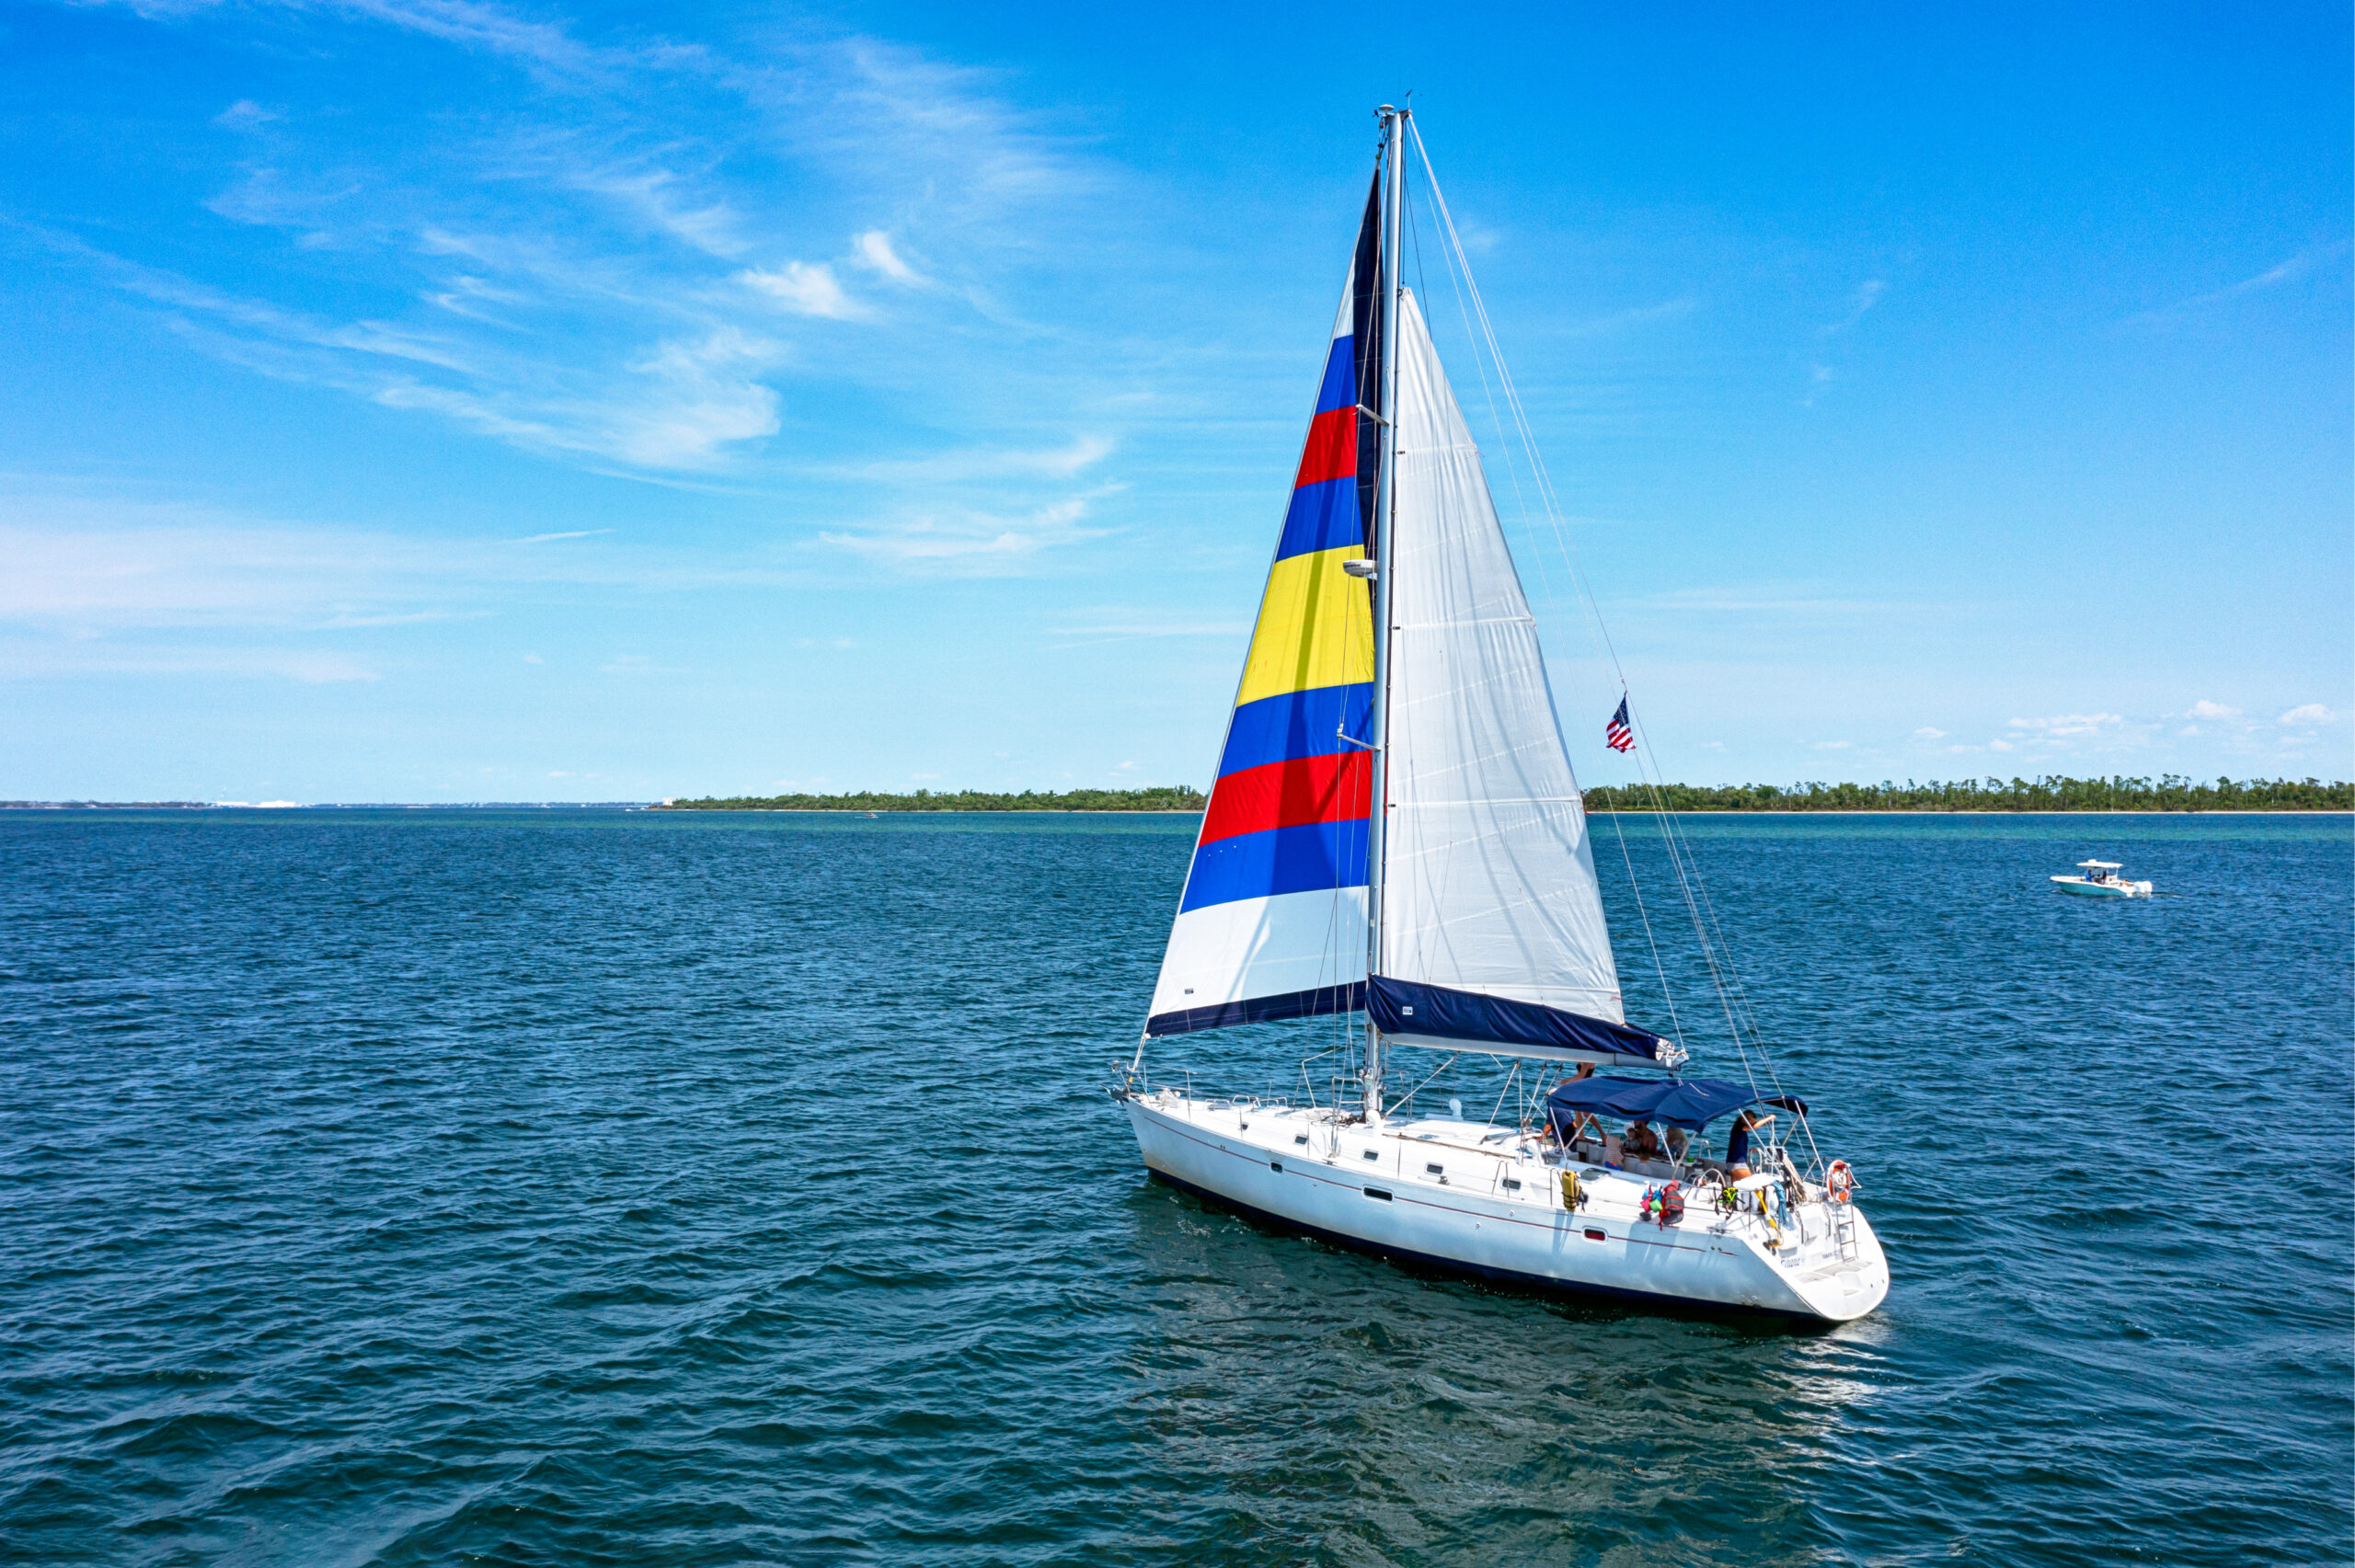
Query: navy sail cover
{"x": 1401, "y": 1007}
{"x": 1689, "y": 1103}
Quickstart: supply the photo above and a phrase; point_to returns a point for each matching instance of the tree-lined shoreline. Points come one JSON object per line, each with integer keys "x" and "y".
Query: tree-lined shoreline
{"x": 2169, "y": 792}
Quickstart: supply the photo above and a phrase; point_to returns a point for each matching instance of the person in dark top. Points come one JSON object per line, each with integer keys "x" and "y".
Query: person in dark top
{"x": 1738, "y": 1141}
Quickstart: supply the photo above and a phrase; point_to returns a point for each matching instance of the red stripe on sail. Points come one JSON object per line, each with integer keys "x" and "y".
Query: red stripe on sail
{"x": 1332, "y": 448}
{"x": 1290, "y": 795}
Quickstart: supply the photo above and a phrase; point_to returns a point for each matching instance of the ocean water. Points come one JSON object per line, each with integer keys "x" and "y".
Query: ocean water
{"x": 581, "y": 1188}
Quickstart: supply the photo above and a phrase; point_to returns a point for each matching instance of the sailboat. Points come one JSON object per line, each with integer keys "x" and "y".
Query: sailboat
{"x": 1396, "y": 841}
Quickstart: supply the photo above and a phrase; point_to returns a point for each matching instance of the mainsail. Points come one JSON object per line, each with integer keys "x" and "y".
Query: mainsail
{"x": 1491, "y": 931}
{"x": 1488, "y": 891}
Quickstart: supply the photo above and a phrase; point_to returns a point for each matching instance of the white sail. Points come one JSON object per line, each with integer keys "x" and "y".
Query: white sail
{"x": 1489, "y": 884}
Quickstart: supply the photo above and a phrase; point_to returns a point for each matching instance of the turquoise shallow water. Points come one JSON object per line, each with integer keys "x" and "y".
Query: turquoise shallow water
{"x": 577, "y": 1187}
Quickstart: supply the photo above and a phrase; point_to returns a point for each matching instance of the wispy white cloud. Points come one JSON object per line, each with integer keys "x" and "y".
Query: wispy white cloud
{"x": 638, "y": 664}
{"x": 970, "y": 544}
{"x": 707, "y": 396}
{"x": 659, "y": 199}
{"x": 2306, "y": 715}
{"x": 874, "y": 249}
{"x": 496, "y": 31}
{"x": 991, "y": 462}
{"x": 1926, "y": 733}
{"x": 244, "y": 114}
{"x": 2062, "y": 725}
{"x": 1124, "y": 625}
{"x": 54, "y": 661}
{"x": 1770, "y": 599}
{"x": 811, "y": 288}
{"x": 1633, "y": 318}
{"x": 100, "y": 568}
{"x": 1867, "y": 295}
{"x": 585, "y": 250}
{"x": 1157, "y": 629}
{"x": 2285, "y": 271}
{"x": 2205, "y": 709}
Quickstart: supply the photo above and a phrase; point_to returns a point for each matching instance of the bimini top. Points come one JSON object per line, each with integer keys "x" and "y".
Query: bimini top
{"x": 2102, "y": 865}
{"x": 1689, "y": 1103}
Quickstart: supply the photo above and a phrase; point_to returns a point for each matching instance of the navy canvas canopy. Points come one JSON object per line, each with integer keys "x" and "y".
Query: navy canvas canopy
{"x": 1689, "y": 1103}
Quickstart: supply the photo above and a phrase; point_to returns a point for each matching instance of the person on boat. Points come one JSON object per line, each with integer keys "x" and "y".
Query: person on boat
{"x": 1583, "y": 1125}
{"x": 1745, "y": 1122}
{"x": 1641, "y": 1142}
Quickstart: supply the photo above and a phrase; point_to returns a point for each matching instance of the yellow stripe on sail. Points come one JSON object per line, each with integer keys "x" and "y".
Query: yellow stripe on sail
{"x": 1315, "y": 628}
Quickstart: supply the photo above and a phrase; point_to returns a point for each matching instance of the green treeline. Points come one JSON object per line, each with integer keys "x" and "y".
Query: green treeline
{"x": 2169, "y": 792}
{"x": 1180, "y": 799}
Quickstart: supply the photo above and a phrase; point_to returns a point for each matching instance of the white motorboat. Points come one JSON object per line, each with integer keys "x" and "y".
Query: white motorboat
{"x": 1395, "y": 830}
{"x": 2101, "y": 880}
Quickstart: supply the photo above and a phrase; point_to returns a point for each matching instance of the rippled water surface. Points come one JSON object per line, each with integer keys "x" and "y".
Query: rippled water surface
{"x": 549, "y": 1187}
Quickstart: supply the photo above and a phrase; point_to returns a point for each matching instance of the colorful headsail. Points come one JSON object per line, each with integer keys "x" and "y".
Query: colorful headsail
{"x": 1273, "y": 920}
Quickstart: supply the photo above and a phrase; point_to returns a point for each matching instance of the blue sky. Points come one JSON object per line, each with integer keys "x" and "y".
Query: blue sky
{"x": 430, "y": 400}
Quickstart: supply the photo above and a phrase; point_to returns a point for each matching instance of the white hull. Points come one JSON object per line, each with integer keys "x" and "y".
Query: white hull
{"x": 1495, "y": 1209}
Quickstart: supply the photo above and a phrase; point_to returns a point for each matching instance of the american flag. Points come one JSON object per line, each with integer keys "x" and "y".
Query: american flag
{"x": 1616, "y": 734}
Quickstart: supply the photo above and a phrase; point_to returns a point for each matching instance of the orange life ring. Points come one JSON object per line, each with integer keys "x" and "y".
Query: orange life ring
{"x": 1839, "y": 1181}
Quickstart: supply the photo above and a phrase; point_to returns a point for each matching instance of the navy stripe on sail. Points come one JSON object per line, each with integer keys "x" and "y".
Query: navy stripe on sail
{"x": 1313, "y": 1003}
{"x": 1310, "y": 858}
{"x": 1295, "y": 725}
{"x": 1404, "y": 1007}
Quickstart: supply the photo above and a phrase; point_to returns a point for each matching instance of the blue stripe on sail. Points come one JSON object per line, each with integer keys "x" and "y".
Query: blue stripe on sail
{"x": 1323, "y": 516}
{"x": 1295, "y": 725}
{"x": 1340, "y": 386}
{"x": 1260, "y": 1010}
{"x": 1307, "y": 859}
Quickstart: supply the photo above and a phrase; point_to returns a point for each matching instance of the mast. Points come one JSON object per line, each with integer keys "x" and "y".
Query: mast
{"x": 1385, "y": 505}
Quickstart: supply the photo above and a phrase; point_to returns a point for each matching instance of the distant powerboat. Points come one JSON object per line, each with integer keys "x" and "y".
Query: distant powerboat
{"x": 2101, "y": 881}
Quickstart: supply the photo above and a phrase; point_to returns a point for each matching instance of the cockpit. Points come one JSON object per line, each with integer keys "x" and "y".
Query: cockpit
{"x": 1658, "y": 1128}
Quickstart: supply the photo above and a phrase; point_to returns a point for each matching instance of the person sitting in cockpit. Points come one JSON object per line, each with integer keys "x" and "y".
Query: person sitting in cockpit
{"x": 1641, "y": 1142}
